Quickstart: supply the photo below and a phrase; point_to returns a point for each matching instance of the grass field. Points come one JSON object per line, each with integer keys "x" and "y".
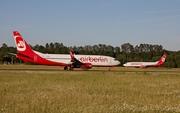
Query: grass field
{"x": 32, "y": 88}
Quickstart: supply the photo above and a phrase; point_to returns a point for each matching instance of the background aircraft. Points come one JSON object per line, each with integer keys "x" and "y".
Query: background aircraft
{"x": 25, "y": 53}
{"x": 146, "y": 64}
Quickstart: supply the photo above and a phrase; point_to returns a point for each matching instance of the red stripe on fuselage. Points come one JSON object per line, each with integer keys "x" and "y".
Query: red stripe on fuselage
{"x": 36, "y": 59}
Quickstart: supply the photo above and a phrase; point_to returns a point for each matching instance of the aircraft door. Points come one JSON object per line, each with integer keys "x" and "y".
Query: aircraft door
{"x": 110, "y": 60}
{"x": 35, "y": 58}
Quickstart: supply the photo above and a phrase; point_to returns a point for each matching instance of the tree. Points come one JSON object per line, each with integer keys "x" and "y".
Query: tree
{"x": 57, "y": 48}
{"x": 170, "y": 61}
{"x": 128, "y": 50}
{"x": 51, "y": 48}
{"x": 110, "y": 51}
{"x": 116, "y": 51}
{"x": 177, "y": 59}
{"x": 47, "y": 47}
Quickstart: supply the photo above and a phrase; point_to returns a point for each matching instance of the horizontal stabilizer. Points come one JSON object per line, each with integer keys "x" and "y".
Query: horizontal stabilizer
{"x": 12, "y": 54}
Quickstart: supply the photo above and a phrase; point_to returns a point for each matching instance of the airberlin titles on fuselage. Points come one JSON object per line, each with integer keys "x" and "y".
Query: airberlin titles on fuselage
{"x": 136, "y": 63}
{"x": 93, "y": 59}
{"x": 82, "y": 59}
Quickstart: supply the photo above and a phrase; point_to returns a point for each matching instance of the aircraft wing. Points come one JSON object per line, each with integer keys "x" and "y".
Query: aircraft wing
{"x": 78, "y": 64}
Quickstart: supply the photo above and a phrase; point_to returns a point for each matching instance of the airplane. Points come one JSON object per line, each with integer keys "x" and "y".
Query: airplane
{"x": 146, "y": 64}
{"x": 25, "y": 53}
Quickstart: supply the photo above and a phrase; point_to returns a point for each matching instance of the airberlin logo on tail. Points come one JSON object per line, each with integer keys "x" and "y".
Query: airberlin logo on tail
{"x": 20, "y": 44}
{"x": 163, "y": 59}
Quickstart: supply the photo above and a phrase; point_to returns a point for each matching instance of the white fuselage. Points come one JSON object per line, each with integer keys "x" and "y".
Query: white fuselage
{"x": 95, "y": 60}
{"x": 139, "y": 64}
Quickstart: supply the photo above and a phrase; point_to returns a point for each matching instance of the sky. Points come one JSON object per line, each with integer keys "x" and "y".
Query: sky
{"x": 92, "y": 22}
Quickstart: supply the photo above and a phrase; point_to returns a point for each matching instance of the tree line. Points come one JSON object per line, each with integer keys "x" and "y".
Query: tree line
{"x": 125, "y": 53}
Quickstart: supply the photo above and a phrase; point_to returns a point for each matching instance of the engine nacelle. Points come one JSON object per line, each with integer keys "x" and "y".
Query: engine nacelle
{"x": 143, "y": 67}
{"x": 86, "y": 66}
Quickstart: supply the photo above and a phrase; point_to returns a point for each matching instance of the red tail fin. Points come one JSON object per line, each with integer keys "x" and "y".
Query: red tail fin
{"x": 162, "y": 60}
{"x": 22, "y": 46}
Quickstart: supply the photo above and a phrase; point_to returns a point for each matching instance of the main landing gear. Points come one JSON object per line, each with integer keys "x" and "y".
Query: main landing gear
{"x": 72, "y": 68}
{"x": 111, "y": 67}
{"x": 66, "y": 68}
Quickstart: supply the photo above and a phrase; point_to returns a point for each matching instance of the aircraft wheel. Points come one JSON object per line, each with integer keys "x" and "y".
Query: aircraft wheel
{"x": 65, "y": 68}
{"x": 71, "y": 67}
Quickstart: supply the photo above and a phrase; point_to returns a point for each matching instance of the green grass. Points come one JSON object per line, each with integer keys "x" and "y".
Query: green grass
{"x": 96, "y": 90}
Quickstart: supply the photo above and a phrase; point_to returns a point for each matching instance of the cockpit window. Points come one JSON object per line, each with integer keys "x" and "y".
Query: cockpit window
{"x": 115, "y": 59}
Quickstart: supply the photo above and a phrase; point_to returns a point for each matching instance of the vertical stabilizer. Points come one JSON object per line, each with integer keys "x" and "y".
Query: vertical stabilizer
{"x": 24, "y": 52}
{"x": 21, "y": 44}
{"x": 162, "y": 60}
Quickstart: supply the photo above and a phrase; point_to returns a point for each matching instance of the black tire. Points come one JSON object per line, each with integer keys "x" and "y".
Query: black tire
{"x": 65, "y": 68}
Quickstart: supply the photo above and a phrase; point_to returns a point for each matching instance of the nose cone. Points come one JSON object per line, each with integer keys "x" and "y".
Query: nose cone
{"x": 118, "y": 62}
{"x": 115, "y": 61}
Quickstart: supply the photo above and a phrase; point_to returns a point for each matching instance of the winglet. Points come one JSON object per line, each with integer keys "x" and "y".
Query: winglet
{"x": 71, "y": 54}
